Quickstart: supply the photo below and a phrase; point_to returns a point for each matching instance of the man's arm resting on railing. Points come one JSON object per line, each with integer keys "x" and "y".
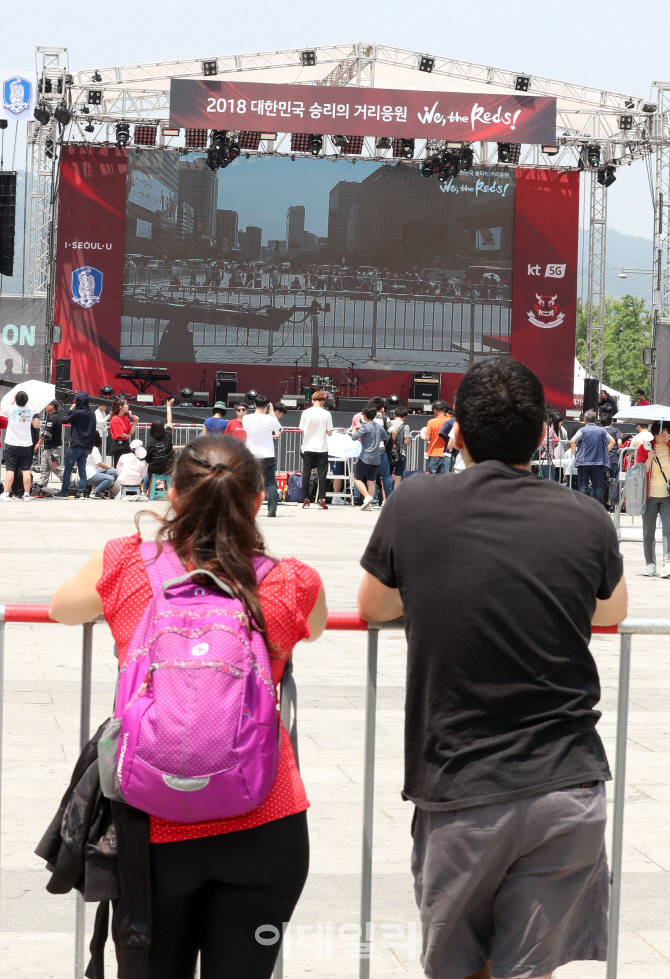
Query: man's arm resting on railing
{"x": 77, "y": 601}
{"x": 376, "y": 602}
{"x": 612, "y": 610}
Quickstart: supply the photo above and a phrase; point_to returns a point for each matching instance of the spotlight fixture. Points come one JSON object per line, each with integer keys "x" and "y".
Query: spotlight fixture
{"x": 122, "y": 135}
{"x": 62, "y": 114}
{"x": 42, "y": 114}
{"x": 315, "y": 144}
{"x": 593, "y": 155}
{"x": 96, "y": 77}
{"x": 649, "y": 107}
{"x": 607, "y": 175}
{"x": 308, "y": 58}
{"x": 521, "y": 83}
{"x": 94, "y": 96}
{"x": 626, "y": 123}
{"x": 467, "y": 158}
{"x": 383, "y": 143}
{"x": 504, "y": 153}
{"x": 90, "y": 128}
{"x": 426, "y": 64}
{"x": 210, "y": 68}
{"x": 549, "y": 150}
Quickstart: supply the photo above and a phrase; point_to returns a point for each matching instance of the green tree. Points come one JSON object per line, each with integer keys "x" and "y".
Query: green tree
{"x": 627, "y": 331}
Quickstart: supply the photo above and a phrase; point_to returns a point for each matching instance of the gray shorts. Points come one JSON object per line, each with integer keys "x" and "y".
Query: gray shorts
{"x": 524, "y": 884}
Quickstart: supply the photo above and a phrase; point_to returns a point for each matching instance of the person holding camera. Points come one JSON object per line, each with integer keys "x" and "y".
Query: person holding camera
{"x": 656, "y": 459}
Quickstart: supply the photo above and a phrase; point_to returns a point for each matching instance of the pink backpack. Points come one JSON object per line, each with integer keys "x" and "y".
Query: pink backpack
{"x": 195, "y": 734}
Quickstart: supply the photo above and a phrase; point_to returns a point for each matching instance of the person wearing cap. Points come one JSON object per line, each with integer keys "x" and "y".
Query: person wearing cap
{"x": 216, "y": 424}
{"x": 50, "y": 441}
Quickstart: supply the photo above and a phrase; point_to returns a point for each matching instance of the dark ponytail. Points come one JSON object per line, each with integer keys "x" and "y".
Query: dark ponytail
{"x": 216, "y": 479}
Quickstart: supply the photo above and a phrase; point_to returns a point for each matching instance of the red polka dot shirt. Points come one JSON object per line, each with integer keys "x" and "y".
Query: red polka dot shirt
{"x": 287, "y": 594}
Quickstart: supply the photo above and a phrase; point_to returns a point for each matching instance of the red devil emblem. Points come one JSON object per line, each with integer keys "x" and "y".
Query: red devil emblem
{"x": 546, "y": 312}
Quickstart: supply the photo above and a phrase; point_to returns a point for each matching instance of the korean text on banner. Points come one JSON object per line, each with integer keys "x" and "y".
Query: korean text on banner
{"x": 264, "y": 107}
{"x": 544, "y": 299}
{"x": 17, "y": 94}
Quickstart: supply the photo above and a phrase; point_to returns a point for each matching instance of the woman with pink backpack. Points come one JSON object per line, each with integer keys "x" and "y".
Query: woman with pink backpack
{"x": 204, "y": 625}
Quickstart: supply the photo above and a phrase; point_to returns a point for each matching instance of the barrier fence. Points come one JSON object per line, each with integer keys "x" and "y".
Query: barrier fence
{"x": 350, "y": 621}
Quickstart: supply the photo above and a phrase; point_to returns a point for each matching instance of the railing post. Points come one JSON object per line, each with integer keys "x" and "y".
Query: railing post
{"x": 368, "y": 802}
{"x": 2, "y": 693}
{"x": 84, "y": 735}
{"x": 619, "y": 797}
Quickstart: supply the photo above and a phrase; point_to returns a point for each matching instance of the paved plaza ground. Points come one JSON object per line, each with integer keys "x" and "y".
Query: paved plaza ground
{"x": 45, "y": 542}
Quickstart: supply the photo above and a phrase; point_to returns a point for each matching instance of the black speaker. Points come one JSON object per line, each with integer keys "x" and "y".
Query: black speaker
{"x": 7, "y": 221}
{"x": 62, "y": 372}
{"x": 425, "y": 385}
{"x": 591, "y": 394}
{"x": 351, "y": 404}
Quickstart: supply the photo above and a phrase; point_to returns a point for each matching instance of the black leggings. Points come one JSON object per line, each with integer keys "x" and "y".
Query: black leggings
{"x": 213, "y": 893}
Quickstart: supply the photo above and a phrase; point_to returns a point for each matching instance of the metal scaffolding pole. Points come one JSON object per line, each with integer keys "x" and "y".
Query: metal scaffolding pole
{"x": 595, "y": 298}
{"x": 660, "y": 291}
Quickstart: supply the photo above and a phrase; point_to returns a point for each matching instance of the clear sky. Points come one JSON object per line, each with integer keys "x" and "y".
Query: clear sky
{"x": 614, "y": 45}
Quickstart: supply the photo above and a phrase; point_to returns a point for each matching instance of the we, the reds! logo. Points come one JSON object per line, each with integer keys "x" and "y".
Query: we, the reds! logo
{"x": 546, "y": 312}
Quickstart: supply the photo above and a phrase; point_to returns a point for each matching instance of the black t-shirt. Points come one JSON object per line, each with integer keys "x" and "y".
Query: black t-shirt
{"x": 499, "y": 572}
{"x": 160, "y": 455}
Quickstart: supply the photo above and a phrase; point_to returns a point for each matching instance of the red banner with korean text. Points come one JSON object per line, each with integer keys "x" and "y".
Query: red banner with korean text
{"x": 267, "y": 107}
{"x": 544, "y": 298}
{"x": 89, "y": 262}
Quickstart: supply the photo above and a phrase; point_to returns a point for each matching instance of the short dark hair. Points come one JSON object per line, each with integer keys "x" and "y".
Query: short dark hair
{"x": 157, "y": 430}
{"x": 21, "y": 399}
{"x": 401, "y": 412}
{"x": 280, "y": 406}
{"x": 261, "y": 400}
{"x": 590, "y": 417}
{"x": 370, "y": 413}
{"x": 439, "y": 406}
{"x": 500, "y": 409}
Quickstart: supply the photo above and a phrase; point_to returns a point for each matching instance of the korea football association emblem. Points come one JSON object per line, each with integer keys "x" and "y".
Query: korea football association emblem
{"x": 86, "y": 286}
{"x": 546, "y": 312}
{"x": 16, "y": 94}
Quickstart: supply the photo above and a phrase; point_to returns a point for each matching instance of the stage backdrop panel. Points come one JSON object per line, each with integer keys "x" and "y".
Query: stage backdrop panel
{"x": 544, "y": 301}
{"x": 89, "y": 262}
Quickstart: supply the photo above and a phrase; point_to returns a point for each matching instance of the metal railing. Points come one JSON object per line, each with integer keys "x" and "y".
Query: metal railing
{"x": 350, "y": 621}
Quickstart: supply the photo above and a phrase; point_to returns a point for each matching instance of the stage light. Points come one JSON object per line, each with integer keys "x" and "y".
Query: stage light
{"x": 62, "y": 114}
{"x": 96, "y": 77}
{"x": 593, "y": 155}
{"x": 122, "y": 135}
{"x": 42, "y": 114}
{"x": 94, "y": 96}
{"x": 607, "y": 175}
{"x": 426, "y": 64}
{"x": 626, "y": 123}
{"x": 90, "y": 128}
{"x": 504, "y": 153}
{"x": 467, "y": 158}
{"x": 549, "y": 150}
{"x": 521, "y": 83}
{"x": 210, "y": 68}
{"x": 649, "y": 107}
{"x": 308, "y": 58}
{"x": 383, "y": 143}
{"x": 315, "y": 144}
{"x": 252, "y": 393}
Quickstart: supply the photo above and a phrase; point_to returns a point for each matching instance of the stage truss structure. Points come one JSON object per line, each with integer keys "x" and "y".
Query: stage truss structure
{"x": 625, "y": 128}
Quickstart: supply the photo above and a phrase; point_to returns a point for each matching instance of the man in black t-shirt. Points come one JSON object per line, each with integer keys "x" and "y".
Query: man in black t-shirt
{"x": 502, "y": 759}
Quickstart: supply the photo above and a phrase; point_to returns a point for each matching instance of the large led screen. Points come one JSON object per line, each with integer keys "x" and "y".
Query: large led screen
{"x": 315, "y": 262}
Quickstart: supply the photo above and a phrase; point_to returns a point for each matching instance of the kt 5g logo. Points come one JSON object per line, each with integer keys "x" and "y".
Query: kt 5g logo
{"x": 551, "y": 271}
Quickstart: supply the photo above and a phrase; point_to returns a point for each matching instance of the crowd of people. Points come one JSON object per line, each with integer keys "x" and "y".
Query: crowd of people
{"x": 506, "y": 776}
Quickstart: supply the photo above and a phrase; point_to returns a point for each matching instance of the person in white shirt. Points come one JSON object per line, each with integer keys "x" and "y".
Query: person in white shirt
{"x": 261, "y": 428}
{"x": 18, "y": 443}
{"x": 316, "y": 425}
{"x": 99, "y": 476}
